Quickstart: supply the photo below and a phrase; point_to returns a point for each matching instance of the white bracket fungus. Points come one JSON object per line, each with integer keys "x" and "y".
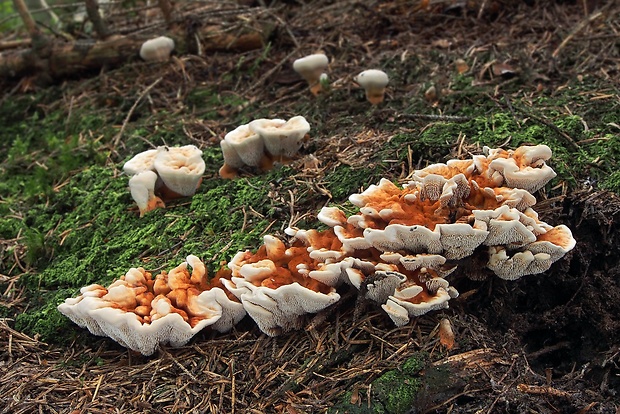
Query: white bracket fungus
{"x": 261, "y": 143}
{"x": 140, "y": 314}
{"x": 398, "y": 249}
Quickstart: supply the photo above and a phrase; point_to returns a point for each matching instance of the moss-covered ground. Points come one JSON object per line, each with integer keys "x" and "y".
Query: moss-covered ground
{"x": 67, "y": 218}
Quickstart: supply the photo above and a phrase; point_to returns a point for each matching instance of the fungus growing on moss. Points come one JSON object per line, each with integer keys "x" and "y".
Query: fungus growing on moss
{"x": 311, "y": 68}
{"x": 374, "y": 82}
{"x": 261, "y": 143}
{"x": 398, "y": 250}
{"x": 157, "y": 49}
{"x": 164, "y": 173}
{"x": 281, "y": 138}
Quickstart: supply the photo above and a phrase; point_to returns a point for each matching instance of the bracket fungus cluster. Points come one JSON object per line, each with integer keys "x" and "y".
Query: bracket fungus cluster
{"x": 404, "y": 242}
{"x": 398, "y": 250}
{"x": 262, "y": 142}
{"x": 141, "y": 312}
{"x": 164, "y": 173}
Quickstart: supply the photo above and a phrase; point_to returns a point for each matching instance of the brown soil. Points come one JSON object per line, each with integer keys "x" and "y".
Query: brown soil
{"x": 543, "y": 344}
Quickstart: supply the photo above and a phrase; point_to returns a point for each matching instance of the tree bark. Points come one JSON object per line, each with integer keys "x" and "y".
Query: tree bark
{"x": 62, "y": 59}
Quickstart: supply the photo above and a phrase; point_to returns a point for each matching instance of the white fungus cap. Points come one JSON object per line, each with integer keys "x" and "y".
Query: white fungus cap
{"x": 140, "y": 162}
{"x": 311, "y": 64}
{"x": 157, "y": 50}
{"x": 246, "y": 143}
{"x": 280, "y": 137}
{"x": 372, "y": 78}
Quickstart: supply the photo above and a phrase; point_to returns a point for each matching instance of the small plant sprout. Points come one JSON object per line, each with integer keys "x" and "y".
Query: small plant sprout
{"x": 374, "y": 82}
{"x": 311, "y": 68}
{"x": 157, "y": 49}
{"x": 324, "y": 82}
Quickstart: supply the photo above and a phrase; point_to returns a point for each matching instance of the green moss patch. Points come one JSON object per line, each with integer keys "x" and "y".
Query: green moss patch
{"x": 394, "y": 392}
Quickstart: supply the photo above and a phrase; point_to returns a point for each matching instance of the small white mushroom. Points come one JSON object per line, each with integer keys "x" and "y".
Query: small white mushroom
{"x": 374, "y": 82}
{"x": 157, "y": 50}
{"x": 311, "y": 68}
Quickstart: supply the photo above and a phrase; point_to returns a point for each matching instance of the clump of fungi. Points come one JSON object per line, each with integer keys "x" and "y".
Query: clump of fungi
{"x": 141, "y": 312}
{"x": 399, "y": 250}
{"x": 261, "y": 143}
{"x": 163, "y": 174}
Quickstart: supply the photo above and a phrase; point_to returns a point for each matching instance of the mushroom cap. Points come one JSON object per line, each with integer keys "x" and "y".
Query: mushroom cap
{"x": 247, "y": 144}
{"x": 180, "y": 168}
{"x": 556, "y": 242}
{"x": 281, "y": 137}
{"x": 130, "y": 312}
{"x": 459, "y": 240}
{"x": 400, "y": 310}
{"x": 518, "y": 265}
{"x": 526, "y": 177}
{"x": 311, "y": 63}
{"x": 383, "y": 285}
{"x": 281, "y": 309}
{"x": 140, "y": 162}
{"x": 332, "y": 216}
{"x": 157, "y": 49}
{"x": 372, "y": 79}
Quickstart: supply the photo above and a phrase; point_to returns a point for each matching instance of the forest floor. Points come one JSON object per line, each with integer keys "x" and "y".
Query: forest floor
{"x": 463, "y": 75}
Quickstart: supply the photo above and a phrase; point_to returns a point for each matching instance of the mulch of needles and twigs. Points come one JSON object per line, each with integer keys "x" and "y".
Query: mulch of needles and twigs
{"x": 462, "y": 75}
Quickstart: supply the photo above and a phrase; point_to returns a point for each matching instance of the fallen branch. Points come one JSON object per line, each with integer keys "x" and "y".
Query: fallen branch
{"x": 67, "y": 58}
{"x": 539, "y": 390}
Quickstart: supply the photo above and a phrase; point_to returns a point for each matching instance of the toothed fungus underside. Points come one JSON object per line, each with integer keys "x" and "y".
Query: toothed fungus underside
{"x": 398, "y": 250}
{"x": 141, "y": 312}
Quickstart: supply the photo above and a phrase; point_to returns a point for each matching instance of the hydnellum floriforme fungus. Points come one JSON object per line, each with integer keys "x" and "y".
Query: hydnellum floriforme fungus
{"x": 163, "y": 174}
{"x": 374, "y": 82}
{"x": 141, "y": 312}
{"x": 261, "y": 143}
{"x": 311, "y": 68}
{"x": 399, "y": 249}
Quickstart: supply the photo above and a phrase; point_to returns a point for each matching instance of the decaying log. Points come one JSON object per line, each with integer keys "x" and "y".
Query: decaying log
{"x": 64, "y": 58}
